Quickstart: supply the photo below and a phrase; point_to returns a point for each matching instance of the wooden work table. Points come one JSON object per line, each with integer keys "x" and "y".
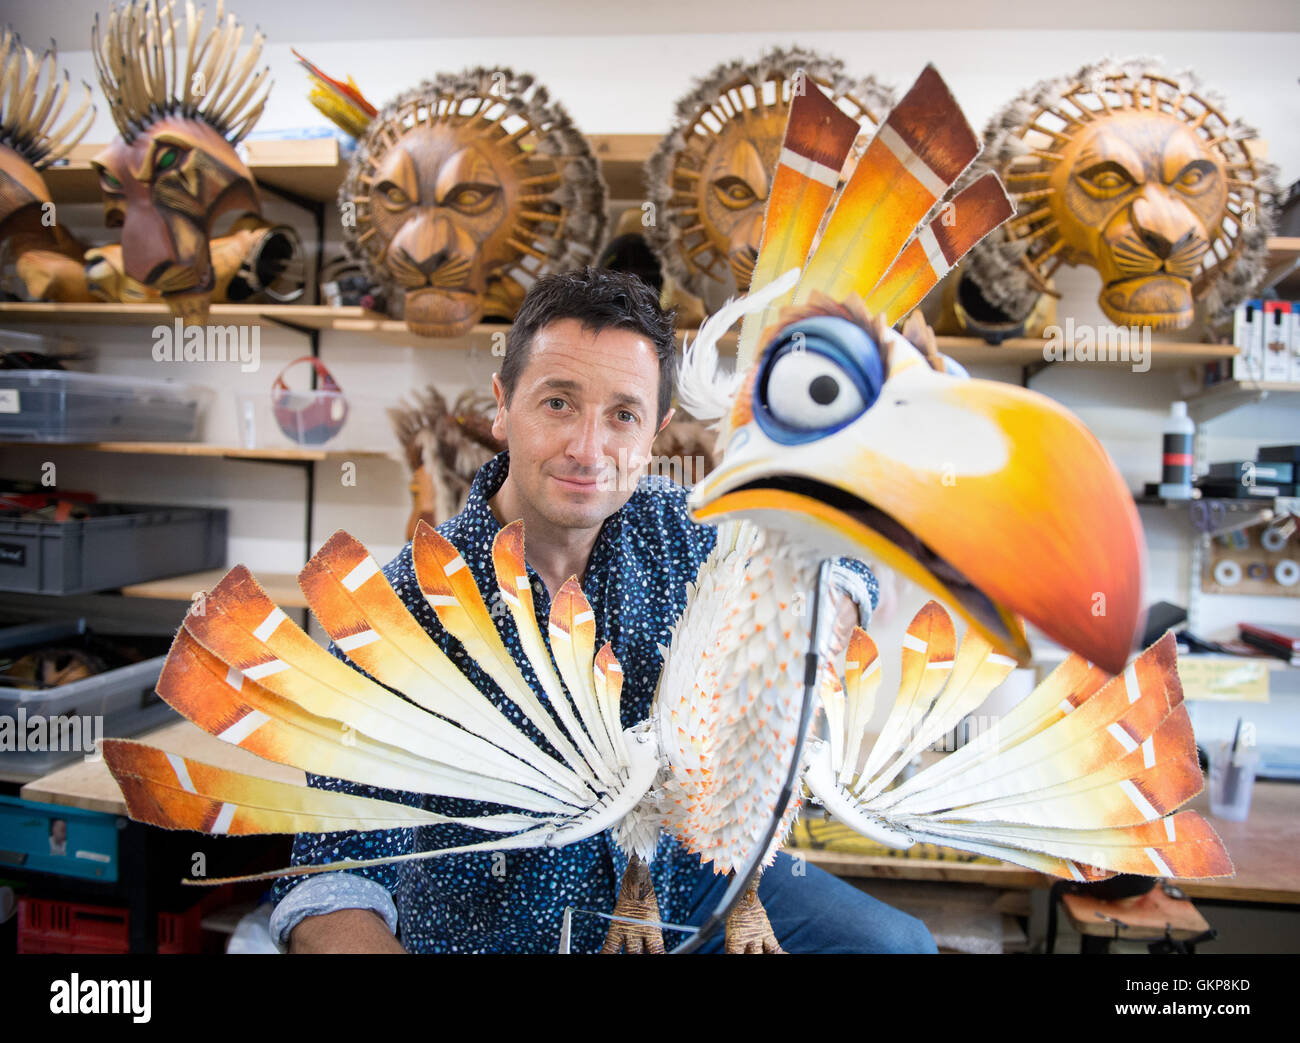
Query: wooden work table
{"x": 1265, "y": 849}
{"x": 89, "y": 785}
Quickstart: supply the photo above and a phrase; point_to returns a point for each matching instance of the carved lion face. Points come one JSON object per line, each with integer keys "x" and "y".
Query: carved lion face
{"x": 443, "y": 201}
{"x": 465, "y": 191}
{"x": 1140, "y": 174}
{"x": 1136, "y": 196}
{"x": 710, "y": 176}
{"x": 165, "y": 190}
{"x": 732, "y": 192}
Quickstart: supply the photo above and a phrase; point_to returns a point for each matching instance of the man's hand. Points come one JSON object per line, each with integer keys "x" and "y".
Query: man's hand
{"x": 846, "y": 618}
{"x": 344, "y": 931}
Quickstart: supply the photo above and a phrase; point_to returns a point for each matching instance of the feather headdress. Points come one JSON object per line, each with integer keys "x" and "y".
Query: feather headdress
{"x": 145, "y": 73}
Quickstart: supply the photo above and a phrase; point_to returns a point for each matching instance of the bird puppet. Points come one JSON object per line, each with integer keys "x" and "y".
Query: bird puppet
{"x": 838, "y": 437}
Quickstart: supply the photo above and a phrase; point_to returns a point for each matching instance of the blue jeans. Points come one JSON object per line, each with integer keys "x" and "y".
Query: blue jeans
{"x": 812, "y": 911}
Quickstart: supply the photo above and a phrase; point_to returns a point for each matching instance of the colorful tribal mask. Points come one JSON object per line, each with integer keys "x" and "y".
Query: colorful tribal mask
{"x": 710, "y": 177}
{"x": 465, "y": 191}
{"x": 32, "y": 98}
{"x": 1133, "y": 172}
{"x": 181, "y": 105}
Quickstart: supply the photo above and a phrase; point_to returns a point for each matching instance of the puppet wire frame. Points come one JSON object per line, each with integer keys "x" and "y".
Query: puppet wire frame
{"x": 740, "y": 882}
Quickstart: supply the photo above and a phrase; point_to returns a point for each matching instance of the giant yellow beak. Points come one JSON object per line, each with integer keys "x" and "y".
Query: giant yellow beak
{"x": 990, "y": 496}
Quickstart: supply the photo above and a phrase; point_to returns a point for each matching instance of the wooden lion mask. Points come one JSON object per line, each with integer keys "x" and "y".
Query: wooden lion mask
{"x": 32, "y": 99}
{"x": 466, "y": 190}
{"x": 1137, "y": 174}
{"x": 710, "y": 176}
{"x": 174, "y": 171}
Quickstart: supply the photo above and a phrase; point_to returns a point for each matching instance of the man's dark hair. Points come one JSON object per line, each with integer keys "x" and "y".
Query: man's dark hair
{"x": 600, "y": 299}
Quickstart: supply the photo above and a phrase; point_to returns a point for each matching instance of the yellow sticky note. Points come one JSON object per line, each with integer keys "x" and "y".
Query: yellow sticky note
{"x": 1224, "y": 678}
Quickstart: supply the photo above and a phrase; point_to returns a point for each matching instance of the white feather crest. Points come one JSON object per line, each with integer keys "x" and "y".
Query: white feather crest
{"x": 702, "y": 389}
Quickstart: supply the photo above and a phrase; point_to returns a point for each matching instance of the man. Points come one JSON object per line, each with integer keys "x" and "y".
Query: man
{"x": 586, "y": 384}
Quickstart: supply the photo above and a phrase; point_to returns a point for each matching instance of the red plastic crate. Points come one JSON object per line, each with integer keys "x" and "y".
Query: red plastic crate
{"x": 49, "y": 925}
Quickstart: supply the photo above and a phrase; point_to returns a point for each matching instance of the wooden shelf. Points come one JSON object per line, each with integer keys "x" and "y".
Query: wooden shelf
{"x": 1020, "y": 351}
{"x": 282, "y": 588}
{"x": 314, "y": 169}
{"x": 1283, "y": 259}
{"x": 622, "y": 162}
{"x": 856, "y": 866}
{"x": 1231, "y": 394}
{"x": 323, "y": 317}
{"x": 1024, "y": 351}
{"x": 310, "y": 316}
{"x": 205, "y": 449}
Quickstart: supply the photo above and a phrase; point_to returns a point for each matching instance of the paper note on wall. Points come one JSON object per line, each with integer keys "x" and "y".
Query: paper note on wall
{"x": 1224, "y": 678}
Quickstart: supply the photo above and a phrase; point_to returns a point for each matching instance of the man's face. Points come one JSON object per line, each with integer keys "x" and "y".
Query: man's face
{"x": 580, "y": 422}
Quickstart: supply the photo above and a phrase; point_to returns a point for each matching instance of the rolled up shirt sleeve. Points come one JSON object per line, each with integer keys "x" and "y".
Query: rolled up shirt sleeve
{"x": 856, "y": 579}
{"x": 329, "y": 893}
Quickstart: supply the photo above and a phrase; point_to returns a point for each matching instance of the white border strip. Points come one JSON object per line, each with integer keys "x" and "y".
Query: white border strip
{"x": 912, "y": 163}
{"x": 224, "y": 817}
{"x": 182, "y": 772}
{"x": 1140, "y": 802}
{"x": 363, "y": 570}
{"x": 244, "y": 727}
{"x": 357, "y": 640}
{"x": 933, "y": 252}
{"x": 267, "y": 627}
{"x": 809, "y": 168}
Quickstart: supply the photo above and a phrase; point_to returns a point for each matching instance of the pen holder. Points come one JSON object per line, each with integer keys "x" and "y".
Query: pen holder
{"x": 1232, "y": 780}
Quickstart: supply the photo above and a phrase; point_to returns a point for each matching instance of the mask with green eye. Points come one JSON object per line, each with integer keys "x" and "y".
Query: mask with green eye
{"x": 174, "y": 172}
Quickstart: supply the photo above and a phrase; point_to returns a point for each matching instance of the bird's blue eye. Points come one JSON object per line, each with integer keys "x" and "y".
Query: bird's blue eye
{"x": 821, "y": 374}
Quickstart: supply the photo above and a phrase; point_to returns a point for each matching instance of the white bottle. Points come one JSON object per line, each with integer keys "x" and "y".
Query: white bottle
{"x": 1176, "y": 459}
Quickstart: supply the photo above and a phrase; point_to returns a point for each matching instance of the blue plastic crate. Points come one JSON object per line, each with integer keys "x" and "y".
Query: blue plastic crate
{"x": 31, "y": 838}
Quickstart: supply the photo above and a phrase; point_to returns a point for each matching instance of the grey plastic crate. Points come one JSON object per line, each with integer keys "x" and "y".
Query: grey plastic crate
{"x": 89, "y": 554}
{"x": 122, "y": 699}
{"x": 63, "y": 406}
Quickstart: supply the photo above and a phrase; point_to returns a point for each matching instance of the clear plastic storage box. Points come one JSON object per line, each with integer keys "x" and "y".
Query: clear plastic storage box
{"x": 51, "y": 405}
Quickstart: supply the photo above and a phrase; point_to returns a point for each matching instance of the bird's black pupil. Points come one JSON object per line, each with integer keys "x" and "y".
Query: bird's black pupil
{"x": 824, "y": 390}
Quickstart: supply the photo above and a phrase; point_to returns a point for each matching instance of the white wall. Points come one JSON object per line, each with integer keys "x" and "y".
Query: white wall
{"x": 628, "y": 84}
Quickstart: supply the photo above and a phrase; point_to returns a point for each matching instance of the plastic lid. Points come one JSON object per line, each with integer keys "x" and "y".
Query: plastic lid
{"x": 1178, "y": 409}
